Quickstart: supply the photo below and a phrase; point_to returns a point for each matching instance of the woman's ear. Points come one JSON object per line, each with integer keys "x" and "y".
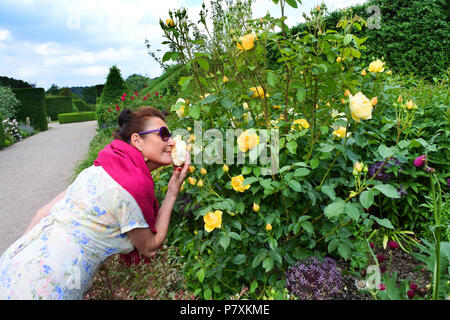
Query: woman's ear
{"x": 136, "y": 141}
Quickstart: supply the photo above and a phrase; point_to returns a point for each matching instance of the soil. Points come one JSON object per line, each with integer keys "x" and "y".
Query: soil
{"x": 406, "y": 266}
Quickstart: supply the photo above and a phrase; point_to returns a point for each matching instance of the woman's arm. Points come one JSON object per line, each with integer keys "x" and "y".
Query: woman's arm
{"x": 44, "y": 211}
{"x": 147, "y": 242}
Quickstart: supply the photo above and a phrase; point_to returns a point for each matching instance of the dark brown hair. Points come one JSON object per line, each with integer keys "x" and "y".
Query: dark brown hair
{"x": 134, "y": 121}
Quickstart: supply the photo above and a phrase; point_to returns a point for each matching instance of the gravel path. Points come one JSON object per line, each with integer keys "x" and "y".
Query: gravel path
{"x": 35, "y": 170}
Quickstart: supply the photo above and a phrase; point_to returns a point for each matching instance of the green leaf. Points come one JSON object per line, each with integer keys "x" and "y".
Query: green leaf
{"x": 388, "y": 190}
{"x": 301, "y": 172}
{"x": 235, "y": 236}
{"x": 314, "y": 163}
{"x": 335, "y": 208}
{"x": 184, "y": 82}
{"x": 292, "y": 146}
{"x": 226, "y": 103}
{"x": 224, "y": 241}
{"x": 207, "y": 294}
{"x": 201, "y": 275}
{"x": 384, "y": 222}
{"x": 167, "y": 56}
{"x": 292, "y": 3}
{"x": 329, "y": 191}
{"x": 301, "y": 95}
{"x": 366, "y": 198}
{"x": 308, "y": 226}
{"x": 194, "y": 111}
{"x": 294, "y": 185}
{"x": 203, "y": 63}
{"x": 384, "y": 151}
{"x": 348, "y": 37}
{"x": 352, "y": 211}
{"x": 332, "y": 245}
{"x": 344, "y": 250}
{"x": 253, "y": 286}
{"x": 355, "y": 52}
{"x": 268, "y": 264}
{"x": 239, "y": 259}
{"x": 258, "y": 259}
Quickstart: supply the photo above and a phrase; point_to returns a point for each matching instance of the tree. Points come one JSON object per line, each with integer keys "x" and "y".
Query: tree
{"x": 89, "y": 95}
{"x": 65, "y": 92}
{"x": 136, "y": 82}
{"x": 114, "y": 86}
{"x": 53, "y": 90}
{"x": 8, "y": 102}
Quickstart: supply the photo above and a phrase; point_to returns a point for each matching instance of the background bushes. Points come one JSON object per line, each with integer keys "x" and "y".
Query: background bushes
{"x": 76, "y": 117}
{"x": 57, "y": 105}
{"x": 81, "y": 105}
{"x": 8, "y": 102}
{"x": 33, "y": 106}
{"x": 2, "y": 133}
{"x": 114, "y": 86}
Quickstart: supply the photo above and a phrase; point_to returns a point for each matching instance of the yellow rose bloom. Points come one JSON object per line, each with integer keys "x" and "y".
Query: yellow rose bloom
{"x": 236, "y": 183}
{"x": 170, "y": 23}
{"x": 245, "y": 105}
{"x": 200, "y": 183}
{"x": 411, "y": 105}
{"x": 247, "y": 141}
{"x": 376, "y": 66}
{"x": 276, "y": 107}
{"x": 203, "y": 171}
{"x": 191, "y": 169}
{"x": 225, "y": 168}
{"x": 363, "y": 73}
{"x": 374, "y": 101}
{"x": 340, "y": 132}
{"x": 301, "y": 124}
{"x": 247, "y": 42}
{"x": 360, "y": 107}
{"x": 180, "y": 111}
{"x": 192, "y": 181}
{"x": 225, "y": 79}
{"x": 359, "y": 166}
{"x": 213, "y": 220}
{"x": 257, "y": 92}
{"x": 268, "y": 227}
{"x": 255, "y": 207}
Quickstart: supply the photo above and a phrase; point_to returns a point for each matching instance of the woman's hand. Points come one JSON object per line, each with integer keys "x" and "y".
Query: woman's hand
{"x": 178, "y": 176}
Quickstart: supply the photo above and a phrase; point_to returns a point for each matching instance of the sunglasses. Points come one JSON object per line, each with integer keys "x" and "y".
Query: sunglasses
{"x": 164, "y": 133}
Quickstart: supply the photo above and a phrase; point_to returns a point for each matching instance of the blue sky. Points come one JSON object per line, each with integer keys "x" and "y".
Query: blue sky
{"x": 74, "y": 42}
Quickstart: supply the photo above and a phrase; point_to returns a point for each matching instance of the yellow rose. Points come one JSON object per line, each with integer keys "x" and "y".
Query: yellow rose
{"x": 268, "y": 227}
{"x": 360, "y": 107}
{"x": 301, "y": 123}
{"x": 245, "y": 105}
{"x": 200, "y": 183}
{"x": 363, "y": 73}
{"x": 191, "y": 169}
{"x": 411, "y": 105}
{"x": 181, "y": 103}
{"x": 225, "y": 168}
{"x": 225, "y": 79}
{"x": 359, "y": 166}
{"x": 203, "y": 171}
{"x": 276, "y": 107}
{"x": 247, "y": 42}
{"x": 170, "y": 23}
{"x": 338, "y": 59}
{"x": 389, "y": 72}
{"x": 340, "y": 132}
{"x": 236, "y": 183}
{"x": 192, "y": 181}
{"x": 374, "y": 101}
{"x": 247, "y": 141}
{"x": 376, "y": 66}
{"x": 213, "y": 220}
{"x": 257, "y": 92}
{"x": 255, "y": 207}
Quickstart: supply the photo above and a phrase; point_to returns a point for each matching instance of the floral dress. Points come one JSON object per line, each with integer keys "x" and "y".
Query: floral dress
{"x": 58, "y": 257}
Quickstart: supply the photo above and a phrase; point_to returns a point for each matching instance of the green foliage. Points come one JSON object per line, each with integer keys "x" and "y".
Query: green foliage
{"x": 57, "y": 105}
{"x": 136, "y": 82}
{"x": 114, "y": 86}
{"x": 33, "y": 106}
{"x": 14, "y": 83}
{"x": 2, "y": 133}
{"x": 76, "y": 117}
{"x": 53, "y": 90}
{"x": 81, "y": 105}
{"x": 412, "y": 36}
{"x": 8, "y": 102}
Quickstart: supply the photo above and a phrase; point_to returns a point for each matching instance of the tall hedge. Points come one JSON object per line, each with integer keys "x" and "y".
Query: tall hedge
{"x": 33, "y": 106}
{"x": 81, "y": 105}
{"x": 57, "y": 105}
{"x": 114, "y": 86}
{"x": 413, "y": 36}
{"x": 2, "y": 133}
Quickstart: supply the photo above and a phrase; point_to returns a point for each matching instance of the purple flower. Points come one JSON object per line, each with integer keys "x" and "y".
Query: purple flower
{"x": 413, "y": 286}
{"x": 420, "y": 161}
{"x": 382, "y": 175}
{"x": 402, "y": 192}
{"x": 312, "y": 279}
{"x": 448, "y": 182}
{"x": 411, "y": 294}
{"x": 381, "y": 258}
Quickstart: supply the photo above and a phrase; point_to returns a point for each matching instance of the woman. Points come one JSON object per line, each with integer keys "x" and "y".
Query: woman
{"x": 110, "y": 208}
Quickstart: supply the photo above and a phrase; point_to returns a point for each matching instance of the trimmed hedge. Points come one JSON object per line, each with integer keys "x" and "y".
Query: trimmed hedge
{"x": 114, "y": 87}
{"x": 76, "y": 117}
{"x": 2, "y": 133}
{"x": 81, "y": 105}
{"x": 57, "y": 105}
{"x": 33, "y": 106}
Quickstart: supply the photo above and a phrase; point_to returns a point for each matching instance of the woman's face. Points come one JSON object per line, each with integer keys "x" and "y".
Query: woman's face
{"x": 155, "y": 151}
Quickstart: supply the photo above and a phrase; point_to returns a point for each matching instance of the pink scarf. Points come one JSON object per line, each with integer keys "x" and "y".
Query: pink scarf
{"x": 126, "y": 165}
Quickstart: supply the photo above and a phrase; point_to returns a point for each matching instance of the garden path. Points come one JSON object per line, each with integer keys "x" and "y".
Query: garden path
{"x": 35, "y": 170}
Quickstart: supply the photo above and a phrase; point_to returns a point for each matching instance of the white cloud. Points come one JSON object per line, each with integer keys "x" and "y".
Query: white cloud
{"x": 4, "y": 34}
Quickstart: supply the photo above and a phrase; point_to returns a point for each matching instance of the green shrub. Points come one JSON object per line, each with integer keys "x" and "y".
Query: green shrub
{"x": 2, "y": 133}
{"x": 76, "y": 117}
{"x": 81, "y": 105}
{"x": 114, "y": 87}
{"x": 8, "y": 102}
{"x": 57, "y": 105}
{"x": 33, "y": 106}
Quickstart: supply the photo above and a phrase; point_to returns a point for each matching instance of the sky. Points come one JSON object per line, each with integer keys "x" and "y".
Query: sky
{"x": 74, "y": 42}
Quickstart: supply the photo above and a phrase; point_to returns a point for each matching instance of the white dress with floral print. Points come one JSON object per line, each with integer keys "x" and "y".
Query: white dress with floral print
{"x": 58, "y": 258}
